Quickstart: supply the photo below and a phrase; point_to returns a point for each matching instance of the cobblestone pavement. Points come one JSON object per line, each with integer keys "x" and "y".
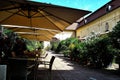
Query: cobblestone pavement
{"x": 64, "y": 69}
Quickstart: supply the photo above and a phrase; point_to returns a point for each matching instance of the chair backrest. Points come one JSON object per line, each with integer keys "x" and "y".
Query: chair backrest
{"x": 51, "y": 62}
{"x": 46, "y": 55}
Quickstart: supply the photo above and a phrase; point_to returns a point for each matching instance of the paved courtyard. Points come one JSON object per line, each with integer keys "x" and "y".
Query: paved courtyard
{"x": 64, "y": 69}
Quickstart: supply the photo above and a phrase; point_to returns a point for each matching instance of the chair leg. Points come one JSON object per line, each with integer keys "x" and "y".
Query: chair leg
{"x": 49, "y": 73}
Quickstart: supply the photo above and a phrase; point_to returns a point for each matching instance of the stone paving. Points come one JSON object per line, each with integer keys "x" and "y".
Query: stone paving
{"x": 64, "y": 69}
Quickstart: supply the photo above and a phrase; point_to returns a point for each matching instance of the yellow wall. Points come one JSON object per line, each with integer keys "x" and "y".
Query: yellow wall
{"x": 98, "y": 25}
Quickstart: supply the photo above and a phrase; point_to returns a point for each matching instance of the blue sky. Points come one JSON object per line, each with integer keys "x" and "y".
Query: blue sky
{"x": 90, "y": 5}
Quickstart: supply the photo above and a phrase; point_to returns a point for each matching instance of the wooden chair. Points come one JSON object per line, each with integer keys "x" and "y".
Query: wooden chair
{"x": 49, "y": 63}
{"x": 32, "y": 70}
{"x": 43, "y": 57}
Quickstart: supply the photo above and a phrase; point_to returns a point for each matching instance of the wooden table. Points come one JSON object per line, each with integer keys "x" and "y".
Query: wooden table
{"x": 30, "y": 63}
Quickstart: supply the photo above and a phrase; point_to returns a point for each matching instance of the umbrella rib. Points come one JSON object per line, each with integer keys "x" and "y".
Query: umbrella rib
{"x": 9, "y": 8}
{"x": 34, "y": 14}
{"x": 39, "y": 16}
{"x": 9, "y": 16}
{"x": 28, "y": 33}
{"x": 13, "y": 29}
{"x": 47, "y": 37}
{"x": 50, "y": 20}
{"x": 25, "y": 27}
{"x": 17, "y": 13}
{"x": 51, "y": 33}
{"x": 23, "y": 13}
{"x": 13, "y": 3}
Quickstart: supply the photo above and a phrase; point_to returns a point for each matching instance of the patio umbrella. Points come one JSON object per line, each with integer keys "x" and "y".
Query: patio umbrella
{"x": 33, "y": 33}
{"x": 40, "y": 15}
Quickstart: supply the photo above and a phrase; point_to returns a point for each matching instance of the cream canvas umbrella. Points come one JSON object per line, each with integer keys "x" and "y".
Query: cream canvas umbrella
{"x": 33, "y": 33}
{"x": 40, "y": 15}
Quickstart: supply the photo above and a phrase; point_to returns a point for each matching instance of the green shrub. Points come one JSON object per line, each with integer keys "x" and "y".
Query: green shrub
{"x": 79, "y": 52}
{"x": 67, "y": 46}
{"x": 115, "y": 40}
{"x": 100, "y": 52}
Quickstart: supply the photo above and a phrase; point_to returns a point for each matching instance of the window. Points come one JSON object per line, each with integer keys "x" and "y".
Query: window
{"x": 106, "y": 27}
{"x": 85, "y": 21}
{"x": 108, "y": 7}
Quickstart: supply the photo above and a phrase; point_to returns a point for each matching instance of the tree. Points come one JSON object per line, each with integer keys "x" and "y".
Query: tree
{"x": 115, "y": 39}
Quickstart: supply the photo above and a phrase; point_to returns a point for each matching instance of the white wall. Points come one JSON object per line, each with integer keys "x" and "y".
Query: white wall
{"x": 64, "y": 35}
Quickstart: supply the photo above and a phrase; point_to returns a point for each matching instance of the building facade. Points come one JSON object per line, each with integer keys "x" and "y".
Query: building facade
{"x": 101, "y": 21}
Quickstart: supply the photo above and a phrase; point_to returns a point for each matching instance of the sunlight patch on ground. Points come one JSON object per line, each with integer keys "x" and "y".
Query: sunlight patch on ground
{"x": 113, "y": 66}
{"x": 62, "y": 66}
